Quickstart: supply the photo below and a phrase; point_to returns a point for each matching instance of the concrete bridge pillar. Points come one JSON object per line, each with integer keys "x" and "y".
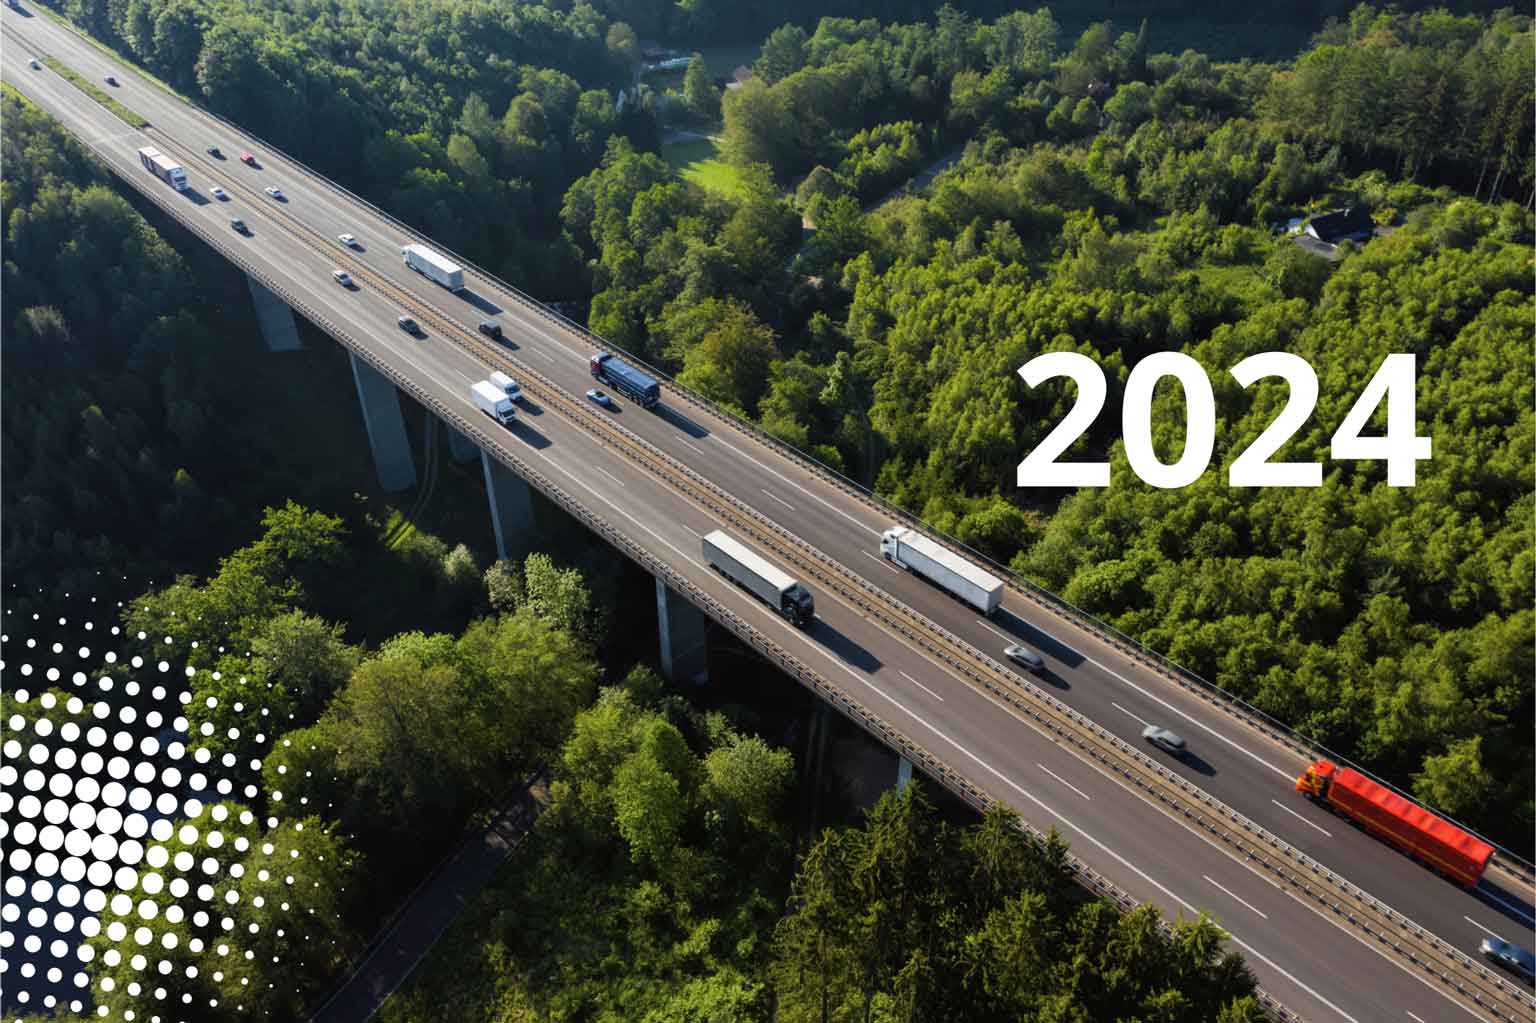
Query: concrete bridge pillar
{"x": 511, "y": 502}
{"x": 461, "y": 447}
{"x": 276, "y": 319}
{"x": 684, "y": 654}
{"x": 385, "y": 426}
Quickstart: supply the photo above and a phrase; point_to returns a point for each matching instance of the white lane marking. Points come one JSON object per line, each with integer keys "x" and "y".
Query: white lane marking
{"x": 986, "y": 625}
{"x": 777, "y": 498}
{"x": 1187, "y": 717}
{"x": 1124, "y": 711}
{"x": 1299, "y": 817}
{"x": 882, "y": 561}
{"x": 1517, "y": 910}
{"x": 540, "y": 353}
{"x": 695, "y": 447}
{"x": 798, "y": 487}
{"x": 1235, "y": 896}
{"x": 583, "y": 484}
{"x": 1127, "y": 864}
{"x": 924, "y": 688}
{"x": 690, "y": 529}
{"x": 1064, "y": 781}
{"x": 1480, "y": 927}
{"x": 610, "y": 475}
{"x": 1414, "y": 1015}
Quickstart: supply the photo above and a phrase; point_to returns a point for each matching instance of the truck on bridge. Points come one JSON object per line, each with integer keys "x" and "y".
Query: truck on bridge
{"x": 942, "y": 567}
{"x": 755, "y": 574}
{"x": 433, "y": 265}
{"x": 164, "y": 168}
{"x": 1397, "y": 821}
{"x": 493, "y": 401}
{"x": 625, "y": 379}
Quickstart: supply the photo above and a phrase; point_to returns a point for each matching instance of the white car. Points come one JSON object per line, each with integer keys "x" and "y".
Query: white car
{"x": 275, "y": 192}
{"x": 342, "y": 277}
{"x": 219, "y": 193}
{"x": 348, "y": 240}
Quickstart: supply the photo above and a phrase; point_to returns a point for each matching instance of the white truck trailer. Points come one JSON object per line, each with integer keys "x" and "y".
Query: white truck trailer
{"x": 755, "y": 574}
{"x": 507, "y": 384}
{"x": 493, "y": 401}
{"x": 942, "y": 567}
{"x": 433, "y": 265}
{"x": 164, "y": 168}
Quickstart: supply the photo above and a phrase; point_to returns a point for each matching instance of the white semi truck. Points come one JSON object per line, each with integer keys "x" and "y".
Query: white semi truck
{"x": 493, "y": 401}
{"x": 433, "y": 265}
{"x": 755, "y": 574}
{"x": 164, "y": 168}
{"x": 942, "y": 567}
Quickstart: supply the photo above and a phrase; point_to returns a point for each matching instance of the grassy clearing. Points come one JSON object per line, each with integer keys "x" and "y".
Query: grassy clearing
{"x": 95, "y": 92}
{"x": 698, "y": 161}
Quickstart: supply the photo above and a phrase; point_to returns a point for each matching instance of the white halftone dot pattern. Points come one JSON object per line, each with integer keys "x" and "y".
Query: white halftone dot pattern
{"x": 89, "y": 786}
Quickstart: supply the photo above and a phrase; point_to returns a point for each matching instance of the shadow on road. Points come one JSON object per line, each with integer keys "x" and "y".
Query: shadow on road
{"x": 687, "y": 425}
{"x": 1516, "y": 907}
{"x": 528, "y": 435}
{"x": 480, "y": 302}
{"x": 527, "y": 406}
{"x": 843, "y": 648}
{"x": 1197, "y": 764}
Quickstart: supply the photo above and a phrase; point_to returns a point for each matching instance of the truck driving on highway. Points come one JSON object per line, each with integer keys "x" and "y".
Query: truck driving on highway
{"x": 755, "y": 574}
{"x": 625, "y": 379}
{"x": 493, "y": 401}
{"x": 942, "y": 567}
{"x": 1397, "y": 821}
{"x": 164, "y": 168}
{"x": 433, "y": 265}
{"x": 509, "y": 386}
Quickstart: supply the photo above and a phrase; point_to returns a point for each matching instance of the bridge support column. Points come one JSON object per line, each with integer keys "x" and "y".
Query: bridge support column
{"x": 684, "y": 654}
{"x": 511, "y": 502}
{"x": 903, "y": 773}
{"x": 385, "y": 426}
{"x": 461, "y": 447}
{"x": 276, "y": 319}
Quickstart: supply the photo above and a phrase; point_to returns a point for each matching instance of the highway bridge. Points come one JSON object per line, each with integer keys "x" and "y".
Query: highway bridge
{"x": 1336, "y": 925}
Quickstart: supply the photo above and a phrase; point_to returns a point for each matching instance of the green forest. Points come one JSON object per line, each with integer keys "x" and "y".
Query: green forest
{"x": 1104, "y": 180}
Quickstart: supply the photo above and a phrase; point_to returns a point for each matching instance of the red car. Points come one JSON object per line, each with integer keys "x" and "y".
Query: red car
{"x": 247, "y": 158}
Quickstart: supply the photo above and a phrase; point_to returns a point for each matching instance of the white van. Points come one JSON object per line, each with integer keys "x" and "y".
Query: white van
{"x": 506, "y": 384}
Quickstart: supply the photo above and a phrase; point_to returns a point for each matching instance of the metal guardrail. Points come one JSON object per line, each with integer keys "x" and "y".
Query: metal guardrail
{"x": 1190, "y": 681}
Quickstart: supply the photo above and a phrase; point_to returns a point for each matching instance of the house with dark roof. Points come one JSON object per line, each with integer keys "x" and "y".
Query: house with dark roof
{"x": 1352, "y": 223}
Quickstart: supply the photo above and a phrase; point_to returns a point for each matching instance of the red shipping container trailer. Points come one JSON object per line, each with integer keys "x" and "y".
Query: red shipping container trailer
{"x": 1398, "y": 821}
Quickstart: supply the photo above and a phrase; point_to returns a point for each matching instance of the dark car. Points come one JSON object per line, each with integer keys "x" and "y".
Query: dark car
{"x": 1164, "y": 739}
{"x": 109, "y": 79}
{"x": 213, "y": 151}
{"x": 408, "y": 325}
{"x": 239, "y": 225}
{"x": 490, "y": 328}
{"x": 1025, "y": 658}
{"x": 1511, "y": 957}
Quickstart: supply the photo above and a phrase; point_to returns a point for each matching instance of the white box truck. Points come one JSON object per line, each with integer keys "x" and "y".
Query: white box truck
{"x": 493, "y": 401}
{"x": 164, "y": 168}
{"x": 507, "y": 384}
{"x": 434, "y": 265}
{"x": 942, "y": 567}
{"x": 755, "y": 574}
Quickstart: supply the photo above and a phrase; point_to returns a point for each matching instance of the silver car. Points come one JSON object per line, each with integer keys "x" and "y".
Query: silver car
{"x": 1025, "y": 658}
{"x": 1164, "y": 739}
